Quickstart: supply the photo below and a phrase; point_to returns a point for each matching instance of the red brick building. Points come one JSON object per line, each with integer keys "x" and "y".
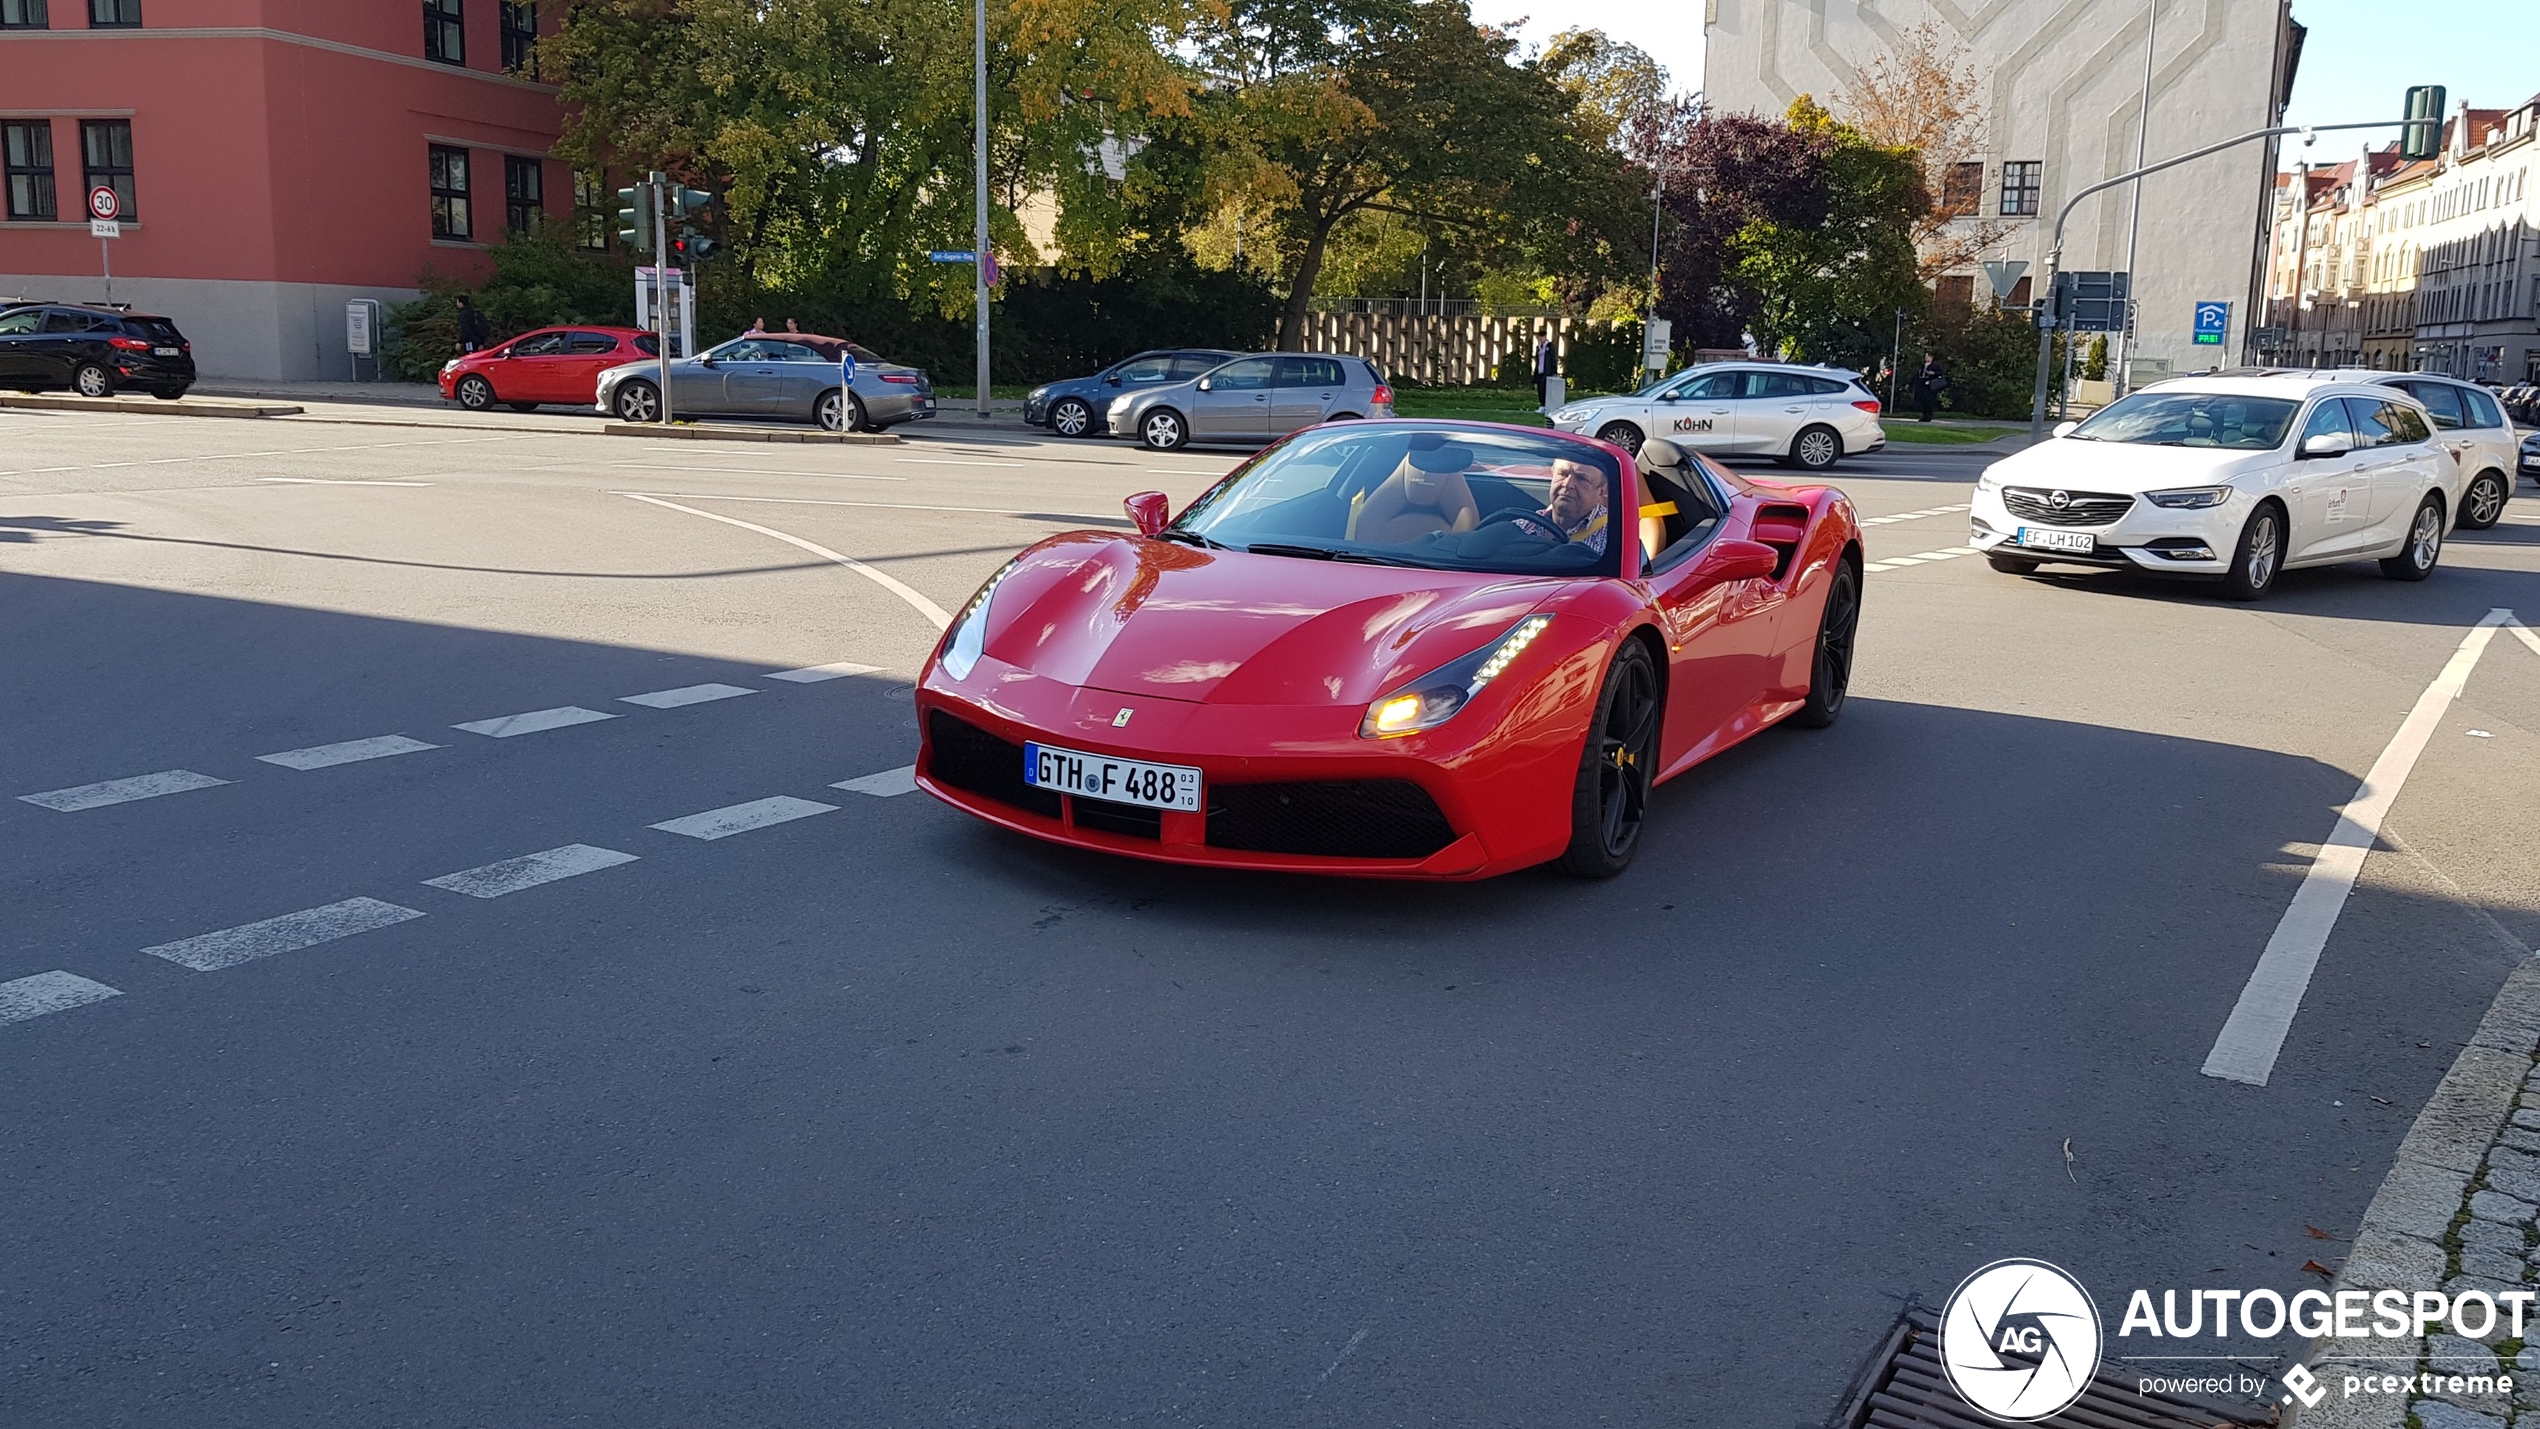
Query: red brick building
{"x": 275, "y": 158}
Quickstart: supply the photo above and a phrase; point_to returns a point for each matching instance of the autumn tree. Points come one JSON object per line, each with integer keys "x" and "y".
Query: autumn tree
{"x": 1611, "y": 82}
{"x": 1924, "y": 93}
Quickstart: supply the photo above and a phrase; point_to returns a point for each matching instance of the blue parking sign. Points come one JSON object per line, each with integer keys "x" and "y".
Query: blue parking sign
{"x": 2213, "y": 321}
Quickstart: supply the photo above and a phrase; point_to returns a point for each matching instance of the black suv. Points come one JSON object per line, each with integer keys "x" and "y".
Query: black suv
{"x": 93, "y": 351}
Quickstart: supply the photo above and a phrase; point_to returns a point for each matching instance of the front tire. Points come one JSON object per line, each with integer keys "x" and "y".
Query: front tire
{"x": 2416, "y": 559}
{"x": 1072, "y": 417}
{"x": 522, "y": 406}
{"x": 2011, "y": 565}
{"x": 1610, "y": 799}
{"x": 1816, "y": 448}
{"x": 1164, "y": 430}
{"x": 92, "y": 380}
{"x": 2259, "y": 557}
{"x": 475, "y": 393}
{"x": 2483, "y": 504}
{"x": 167, "y": 394}
{"x": 638, "y": 402}
{"x": 1621, "y": 434}
{"x": 1830, "y": 676}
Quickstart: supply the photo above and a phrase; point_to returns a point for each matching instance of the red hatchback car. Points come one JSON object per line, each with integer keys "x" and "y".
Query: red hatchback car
{"x": 561, "y": 365}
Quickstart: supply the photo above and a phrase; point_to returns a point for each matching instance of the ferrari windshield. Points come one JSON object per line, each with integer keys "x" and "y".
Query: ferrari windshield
{"x": 1392, "y": 494}
{"x": 2193, "y": 419}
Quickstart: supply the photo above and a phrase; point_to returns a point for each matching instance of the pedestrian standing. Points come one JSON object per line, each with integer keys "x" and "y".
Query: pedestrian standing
{"x": 1929, "y": 384}
{"x": 757, "y": 326}
{"x": 1547, "y": 361}
{"x": 792, "y": 326}
{"x": 472, "y": 334}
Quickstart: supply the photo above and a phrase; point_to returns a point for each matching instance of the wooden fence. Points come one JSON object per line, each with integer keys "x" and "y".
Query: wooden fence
{"x": 1439, "y": 351}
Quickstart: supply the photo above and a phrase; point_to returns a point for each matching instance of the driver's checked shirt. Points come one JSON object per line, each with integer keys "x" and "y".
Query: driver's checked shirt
{"x": 1588, "y": 530}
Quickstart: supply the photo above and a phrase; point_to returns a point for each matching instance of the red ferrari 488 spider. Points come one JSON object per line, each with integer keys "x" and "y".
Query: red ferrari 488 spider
{"x": 1403, "y": 649}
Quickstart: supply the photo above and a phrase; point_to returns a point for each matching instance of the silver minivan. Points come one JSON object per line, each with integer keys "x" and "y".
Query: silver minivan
{"x": 1252, "y": 400}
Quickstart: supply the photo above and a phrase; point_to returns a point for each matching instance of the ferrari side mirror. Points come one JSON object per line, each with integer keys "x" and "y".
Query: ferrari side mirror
{"x": 1150, "y": 509}
{"x": 1736, "y": 560}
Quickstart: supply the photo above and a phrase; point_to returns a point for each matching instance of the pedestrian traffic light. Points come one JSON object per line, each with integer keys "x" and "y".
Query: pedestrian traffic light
{"x": 2422, "y": 136}
{"x": 687, "y": 203}
{"x": 634, "y": 218}
{"x": 690, "y": 246}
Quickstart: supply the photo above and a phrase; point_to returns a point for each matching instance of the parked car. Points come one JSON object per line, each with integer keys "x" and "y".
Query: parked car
{"x": 93, "y": 351}
{"x": 1810, "y": 417}
{"x": 2470, "y": 424}
{"x": 780, "y": 377}
{"x": 1251, "y": 400}
{"x": 553, "y": 364}
{"x": 2531, "y": 456}
{"x": 2229, "y": 478}
{"x": 1074, "y": 407}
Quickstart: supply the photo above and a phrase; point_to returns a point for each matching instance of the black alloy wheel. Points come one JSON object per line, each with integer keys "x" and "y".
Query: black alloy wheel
{"x": 1072, "y": 417}
{"x": 638, "y": 402}
{"x": 2483, "y": 504}
{"x": 1621, "y": 434}
{"x": 2416, "y": 559}
{"x": 475, "y": 393}
{"x": 1610, "y": 799}
{"x": 1830, "y": 677}
{"x": 93, "y": 380}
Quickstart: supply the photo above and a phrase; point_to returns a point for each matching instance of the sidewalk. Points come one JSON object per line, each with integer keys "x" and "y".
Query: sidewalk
{"x": 418, "y": 404}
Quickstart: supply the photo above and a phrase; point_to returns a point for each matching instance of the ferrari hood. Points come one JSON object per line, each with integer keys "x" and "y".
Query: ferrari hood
{"x": 1175, "y": 622}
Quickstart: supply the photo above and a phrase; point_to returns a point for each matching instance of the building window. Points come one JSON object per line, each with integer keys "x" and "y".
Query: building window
{"x": 1954, "y": 293}
{"x": 593, "y": 214}
{"x": 449, "y": 194}
{"x": 2020, "y": 184}
{"x": 24, "y": 15}
{"x": 444, "y": 32}
{"x": 113, "y": 14}
{"x": 28, "y": 147}
{"x": 524, "y": 193}
{"x": 1962, "y": 189}
{"x": 520, "y": 37}
{"x": 107, "y": 145}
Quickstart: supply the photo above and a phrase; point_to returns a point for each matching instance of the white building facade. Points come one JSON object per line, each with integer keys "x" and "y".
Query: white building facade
{"x": 2471, "y": 231}
{"x": 2065, "y": 87}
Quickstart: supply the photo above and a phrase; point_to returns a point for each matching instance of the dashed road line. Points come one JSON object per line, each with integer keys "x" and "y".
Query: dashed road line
{"x": 869, "y": 505}
{"x": 122, "y": 791}
{"x": 1912, "y": 515}
{"x": 889, "y": 784}
{"x": 56, "y": 991}
{"x": 685, "y": 695}
{"x": 351, "y": 751}
{"x": 751, "y": 471}
{"x": 511, "y": 875}
{"x": 1898, "y": 562}
{"x": 957, "y": 461}
{"x": 741, "y": 818}
{"x": 814, "y": 674}
{"x": 323, "y": 481}
{"x": 534, "y": 722}
{"x": 210, "y": 952}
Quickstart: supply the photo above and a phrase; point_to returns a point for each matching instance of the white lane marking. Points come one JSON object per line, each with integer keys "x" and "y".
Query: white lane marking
{"x": 1910, "y": 515}
{"x": 122, "y": 791}
{"x": 884, "y": 579}
{"x": 954, "y": 461}
{"x": 2254, "y": 1034}
{"x": 56, "y": 991}
{"x": 741, "y": 818}
{"x": 814, "y": 674}
{"x": 511, "y": 875}
{"x": 321, "y": 481}
{"x": 2523, "y": 634}
{"x": 684, "y": 695}
{"x": 533, "y": 722}
{"x": 351, "y": 751}
{"x": 868, "y": 505}
{"x": 749, "y": 471}
{"x": 889, "y": 784}
{"x": 210, "y": 952}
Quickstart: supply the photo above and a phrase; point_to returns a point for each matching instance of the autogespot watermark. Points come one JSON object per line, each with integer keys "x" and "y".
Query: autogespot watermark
{"x": 2021, "y": 1340}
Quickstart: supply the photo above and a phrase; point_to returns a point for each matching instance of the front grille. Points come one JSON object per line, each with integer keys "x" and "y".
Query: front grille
{"x": 1111, "y": 818}
{"x": 1340, "y": 818}
{"x": 969, "y": 758}
{"x": 2080, "y": 508}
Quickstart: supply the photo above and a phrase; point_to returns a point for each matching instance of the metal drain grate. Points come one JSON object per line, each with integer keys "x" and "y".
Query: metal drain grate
{"x": 1904, "y": 1387}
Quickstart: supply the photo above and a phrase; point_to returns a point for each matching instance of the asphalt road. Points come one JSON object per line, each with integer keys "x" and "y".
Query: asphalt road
{"x": 874, "y": 1115}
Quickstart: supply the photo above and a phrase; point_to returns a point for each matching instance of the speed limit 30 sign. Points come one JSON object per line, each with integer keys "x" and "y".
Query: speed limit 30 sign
{"x": 102, "y": 202}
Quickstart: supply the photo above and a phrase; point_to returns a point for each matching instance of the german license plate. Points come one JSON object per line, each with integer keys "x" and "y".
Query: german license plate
{"x": 2080, "y": 543}
{"x": 164, "y": 352}
{"x": 1122, "y": 781}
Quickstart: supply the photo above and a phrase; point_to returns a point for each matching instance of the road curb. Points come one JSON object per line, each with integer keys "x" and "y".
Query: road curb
{"x": 2409, "y": 1231}
{"x": 748, "y": 434}
{"x": 181, "y": 407}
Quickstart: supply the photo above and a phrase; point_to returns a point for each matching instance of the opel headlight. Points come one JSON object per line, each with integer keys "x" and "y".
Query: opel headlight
{"x": 1988, "y": 483}
{"x": 970, "y": 628}
{"x": 2190, "y": 498}
{"x": 1437, "y": 696}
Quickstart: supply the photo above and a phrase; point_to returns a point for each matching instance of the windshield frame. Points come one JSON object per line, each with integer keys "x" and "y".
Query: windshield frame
{"x": 2134, "y": 404}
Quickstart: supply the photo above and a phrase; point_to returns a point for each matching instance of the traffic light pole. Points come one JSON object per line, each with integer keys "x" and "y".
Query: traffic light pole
{"x": 661, "y": 289}
{"x": 2055, "y": 254}
{"x": 979, "y": 177}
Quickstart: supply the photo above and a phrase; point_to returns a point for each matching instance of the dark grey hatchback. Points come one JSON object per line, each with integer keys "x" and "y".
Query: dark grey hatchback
{"x": 93, "y": 351}
{"x": 1074, "y": 406}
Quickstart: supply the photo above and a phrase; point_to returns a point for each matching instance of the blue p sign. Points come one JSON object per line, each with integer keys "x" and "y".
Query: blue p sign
{"x": 2213, "y": 321}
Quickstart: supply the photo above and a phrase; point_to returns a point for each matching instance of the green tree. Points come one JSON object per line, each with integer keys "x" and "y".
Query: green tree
{"x": 1611, "y": 83}
{"x": 1829, "y": 288}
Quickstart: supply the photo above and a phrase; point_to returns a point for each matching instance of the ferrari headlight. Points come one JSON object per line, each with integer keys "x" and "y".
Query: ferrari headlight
{"x": 1438, "y": 695}
{"x": 2190, "y": 498}
{"x": 970, "y": 628}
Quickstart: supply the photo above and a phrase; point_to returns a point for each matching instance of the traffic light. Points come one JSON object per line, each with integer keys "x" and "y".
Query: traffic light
{"x": 635, "y": 218}
{"x": 687, "y": 203}
{"x": 691, "y": 247}
{"x": 2422, "y": 136}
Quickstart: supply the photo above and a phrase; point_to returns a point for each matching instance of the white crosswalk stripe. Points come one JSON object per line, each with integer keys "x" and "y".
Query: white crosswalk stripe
{"x": 56, "y": 991}
{"x": 511, "y": 875}
{"x": 889, "y": 784}
{"x": 122, "y": 791}
{"x": 534, "y": 722}
{"x": 210, "y": 952}
{"x": 351, "y": 751}
{"x": 685, "y": 695}
{"x": 741, "y": 818}
{"x": 815, "y": 673}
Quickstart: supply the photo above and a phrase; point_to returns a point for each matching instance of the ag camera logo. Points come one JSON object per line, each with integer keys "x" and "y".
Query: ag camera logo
{"x": 2020, "y": 1340}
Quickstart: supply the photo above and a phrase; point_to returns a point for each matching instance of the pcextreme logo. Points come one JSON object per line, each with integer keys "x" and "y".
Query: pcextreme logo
{"x": 2028, "y": 1309}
